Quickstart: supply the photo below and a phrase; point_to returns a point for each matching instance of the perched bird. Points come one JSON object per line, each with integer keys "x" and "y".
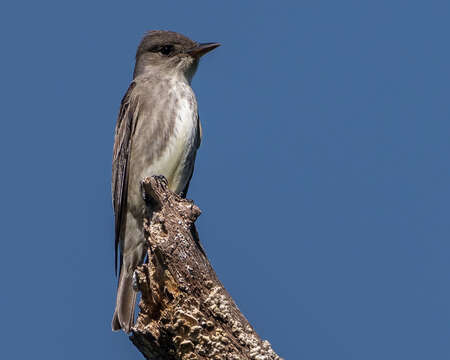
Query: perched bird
{"x": 158, "y": 132}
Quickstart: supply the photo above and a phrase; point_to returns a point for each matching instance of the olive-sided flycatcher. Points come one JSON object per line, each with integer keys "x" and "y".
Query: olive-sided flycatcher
{"x": 158, "y": 132}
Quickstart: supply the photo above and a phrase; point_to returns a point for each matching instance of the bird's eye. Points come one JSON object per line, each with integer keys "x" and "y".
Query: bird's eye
{"x": 166, "y": 49}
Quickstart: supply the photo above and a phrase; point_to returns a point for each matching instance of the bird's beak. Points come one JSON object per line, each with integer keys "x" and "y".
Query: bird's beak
{"x": 201, "y": 49}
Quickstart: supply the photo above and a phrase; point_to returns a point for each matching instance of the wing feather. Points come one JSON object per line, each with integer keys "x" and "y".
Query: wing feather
{"x": 198, "y": 140}
{"x": 121, "y": 153}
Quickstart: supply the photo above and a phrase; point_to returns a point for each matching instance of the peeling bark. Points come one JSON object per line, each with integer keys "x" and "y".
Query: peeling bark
{"x": 185, "y": 312}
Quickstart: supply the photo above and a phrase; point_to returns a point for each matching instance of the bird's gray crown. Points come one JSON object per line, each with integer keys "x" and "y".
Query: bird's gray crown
{"x": 164, "y": 41}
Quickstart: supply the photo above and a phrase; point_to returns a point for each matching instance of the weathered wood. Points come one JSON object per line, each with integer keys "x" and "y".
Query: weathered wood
{"x": 185, "y": 312}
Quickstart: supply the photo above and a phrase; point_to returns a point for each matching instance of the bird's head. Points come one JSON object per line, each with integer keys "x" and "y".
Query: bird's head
{"x": 169, "y": 52}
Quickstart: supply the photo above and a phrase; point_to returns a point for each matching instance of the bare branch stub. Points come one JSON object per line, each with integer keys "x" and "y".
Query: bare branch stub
{"x": 185, "y": 312}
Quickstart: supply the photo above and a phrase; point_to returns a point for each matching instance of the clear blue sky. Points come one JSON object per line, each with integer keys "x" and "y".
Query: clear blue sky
{"x": 324, "y": 173}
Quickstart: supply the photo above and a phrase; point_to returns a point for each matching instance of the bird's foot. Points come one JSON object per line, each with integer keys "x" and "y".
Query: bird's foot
{"x": 161, "y": 178}
{"x": 135, "y": 283}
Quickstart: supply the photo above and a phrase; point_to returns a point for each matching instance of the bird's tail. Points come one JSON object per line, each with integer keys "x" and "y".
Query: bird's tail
{"x": 123, "y": 317}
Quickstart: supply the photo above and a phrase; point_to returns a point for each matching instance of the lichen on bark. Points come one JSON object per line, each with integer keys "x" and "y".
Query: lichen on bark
{"x": 185, "y": 312}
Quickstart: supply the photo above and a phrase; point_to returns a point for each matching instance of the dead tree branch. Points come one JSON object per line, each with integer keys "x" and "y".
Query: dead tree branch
{"x": 185, "y": 312}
